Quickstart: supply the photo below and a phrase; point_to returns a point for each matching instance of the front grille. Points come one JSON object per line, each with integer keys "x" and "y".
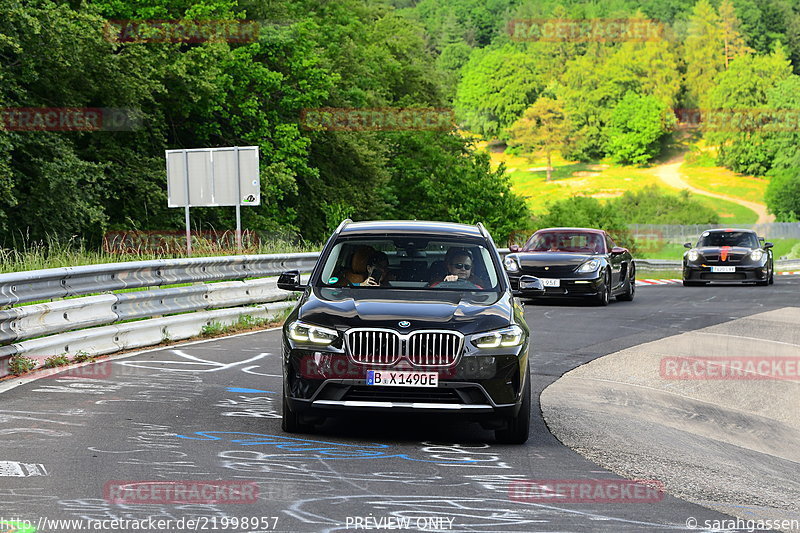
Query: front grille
{"x": 723, "y": 276}
{"x": 403, "y": 394}
{"x": 381, "y": 347}
{"x": 540, "y": 272}
{"x": 421, "y": 348}
{"x": 732, "y": 258}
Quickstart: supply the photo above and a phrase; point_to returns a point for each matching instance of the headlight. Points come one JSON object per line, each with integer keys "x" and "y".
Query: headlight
{"x": 692, "y": 255}
{"x": 301, "y": 332}
{"x": 757, "y": 254}
{"x": 510, "y": 336}
{"x": 510, "y": 264}
{"x": 589, "y": 266}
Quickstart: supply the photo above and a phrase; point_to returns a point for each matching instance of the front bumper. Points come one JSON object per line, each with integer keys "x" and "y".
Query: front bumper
{"x": 574, "y": 286}
{"x": 742, "y": 274}
{"x": 487, "y": 385}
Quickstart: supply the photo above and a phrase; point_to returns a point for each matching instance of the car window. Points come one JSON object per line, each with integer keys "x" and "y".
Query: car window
{"x": 566, "y": 241}
{"x": 402, "y": 263}
{"x": 729, "y": 238}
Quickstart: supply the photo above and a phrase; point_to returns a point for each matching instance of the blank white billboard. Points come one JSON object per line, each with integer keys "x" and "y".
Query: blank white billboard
{"x": 211, "y": 177}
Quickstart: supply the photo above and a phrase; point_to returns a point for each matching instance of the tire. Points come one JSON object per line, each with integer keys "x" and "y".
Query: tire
{"x": 519, "y": 426}
{"x": 630, "y": 289}
{"x": 604, "y": 297}
{"x": 290, "y": 420}
{"x": 772, "y": 274}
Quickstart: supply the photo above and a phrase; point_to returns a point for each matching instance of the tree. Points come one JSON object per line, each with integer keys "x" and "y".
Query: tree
{"x": 436, "y": 177}
{"x": 737, "y": 115}
{"x": 544, "y": 126}
{"x": 733, "y": 41}
{"x": 637, "y": 126}
{"x": 495, "y": 89}
{"x": 704, "y": 53}
{"x": 783, "y": 195}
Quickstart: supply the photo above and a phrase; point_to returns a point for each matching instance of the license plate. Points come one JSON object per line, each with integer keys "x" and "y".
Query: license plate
{"x": 548, "y": 282}
{"x": 723, "y": 269}
{"x": 395, "y": 378}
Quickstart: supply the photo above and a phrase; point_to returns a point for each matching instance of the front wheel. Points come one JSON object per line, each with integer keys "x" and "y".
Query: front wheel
{"x": 290, "y": 420}
{"x": 630, "y": 289}
{"x": 604, "y": 293}
{"x": 519, "y": 426}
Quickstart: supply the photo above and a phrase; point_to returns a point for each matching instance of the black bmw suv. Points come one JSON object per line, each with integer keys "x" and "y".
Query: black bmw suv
{"x": 408, "y": 316}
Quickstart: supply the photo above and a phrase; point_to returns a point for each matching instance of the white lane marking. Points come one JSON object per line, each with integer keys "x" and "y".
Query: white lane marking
{"x": 215, "y": 366}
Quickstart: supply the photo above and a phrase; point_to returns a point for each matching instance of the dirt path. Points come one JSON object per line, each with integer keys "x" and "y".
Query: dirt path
{"x": 670, "y": 174}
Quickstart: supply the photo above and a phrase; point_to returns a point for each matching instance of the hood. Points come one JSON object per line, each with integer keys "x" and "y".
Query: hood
{"x": 542, "y": 259}
{"x": 467, "y": 312}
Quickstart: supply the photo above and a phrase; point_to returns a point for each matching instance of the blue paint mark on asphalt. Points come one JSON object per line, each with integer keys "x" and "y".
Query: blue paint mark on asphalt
{"x": 249, "y": 391}
{"x": 315, "y": 449}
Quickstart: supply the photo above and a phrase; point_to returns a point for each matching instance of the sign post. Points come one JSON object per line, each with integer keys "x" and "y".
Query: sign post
{"x": 213, "y": 177}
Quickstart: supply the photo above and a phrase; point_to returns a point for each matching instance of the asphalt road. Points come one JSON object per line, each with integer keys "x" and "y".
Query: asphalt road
{"x": 210, "y": 411}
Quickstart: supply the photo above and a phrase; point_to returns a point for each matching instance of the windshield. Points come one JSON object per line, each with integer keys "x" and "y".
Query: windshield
{"x": 745, "y": 239}
{"x": 566, "y": 241}
{"x": 403, "y": 263}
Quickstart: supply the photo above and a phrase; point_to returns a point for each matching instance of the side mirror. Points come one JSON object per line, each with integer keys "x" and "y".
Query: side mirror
{"x": 290, "y": 281}
{"x": 768, "y": 245}
{"x": 529, "y": 286}
{"x": 618, "y": 250}
{"x": 514, "y": 248}
{"x": 687, "y": 245}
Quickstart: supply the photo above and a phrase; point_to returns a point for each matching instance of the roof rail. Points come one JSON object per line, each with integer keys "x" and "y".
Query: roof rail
{"x": 341, "y": 226}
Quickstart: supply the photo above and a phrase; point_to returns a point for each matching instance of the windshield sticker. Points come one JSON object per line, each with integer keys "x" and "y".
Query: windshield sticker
{"x": 333, "y": 280}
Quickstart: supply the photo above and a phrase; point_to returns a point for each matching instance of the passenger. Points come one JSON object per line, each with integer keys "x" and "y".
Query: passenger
{"x": 378, "y": 270}
{"x": 357, "y": 273}
{"x": 458, "y": 262}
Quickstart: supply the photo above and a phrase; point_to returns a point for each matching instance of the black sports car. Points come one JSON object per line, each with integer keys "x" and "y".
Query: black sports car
{"x": 728, "y": 255}
{"x": 574, "y": 262}
{"x": 408, "y": 316}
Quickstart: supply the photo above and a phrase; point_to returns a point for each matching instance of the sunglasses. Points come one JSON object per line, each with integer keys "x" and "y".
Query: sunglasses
{"x": 462, "y": 266}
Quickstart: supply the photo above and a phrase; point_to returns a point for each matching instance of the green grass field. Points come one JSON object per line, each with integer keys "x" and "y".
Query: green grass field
{"x": 602, "y": 179}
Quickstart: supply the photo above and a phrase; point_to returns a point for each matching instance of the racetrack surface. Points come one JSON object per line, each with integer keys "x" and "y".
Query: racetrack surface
{"x": 210, "y": 411}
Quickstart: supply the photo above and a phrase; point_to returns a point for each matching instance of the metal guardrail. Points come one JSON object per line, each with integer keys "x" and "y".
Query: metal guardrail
{"x": 95, "y": 324}
{"x": 36, "y": 285}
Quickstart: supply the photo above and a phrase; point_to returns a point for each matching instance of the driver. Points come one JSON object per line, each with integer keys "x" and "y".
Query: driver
{"x": 458, "y": 262}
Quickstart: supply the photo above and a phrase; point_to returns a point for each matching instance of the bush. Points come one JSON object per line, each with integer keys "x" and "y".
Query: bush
{"x": 19, "y": 364}
{"x": 783, "y": 195}
{"x": 56, "y": 360}
{"x": 653, "y": 205}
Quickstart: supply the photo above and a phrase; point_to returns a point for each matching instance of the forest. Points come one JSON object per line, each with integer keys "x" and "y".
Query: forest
{"x": 584, "y": 97}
